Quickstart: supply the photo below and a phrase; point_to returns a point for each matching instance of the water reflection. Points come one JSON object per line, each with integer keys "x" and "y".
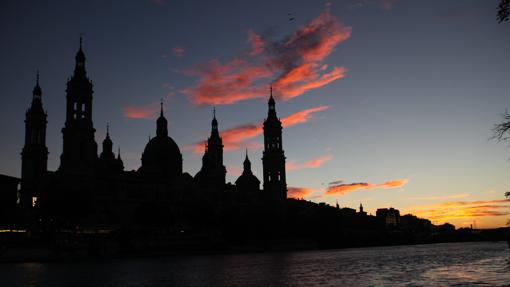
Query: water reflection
{"x": 485, "y": 264}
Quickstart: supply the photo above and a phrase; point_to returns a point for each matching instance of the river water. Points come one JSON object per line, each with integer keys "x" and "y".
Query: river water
{"x": 449, "y": 264}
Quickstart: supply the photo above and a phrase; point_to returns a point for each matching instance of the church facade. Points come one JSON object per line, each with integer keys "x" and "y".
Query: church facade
{"x": 93, "y": 189}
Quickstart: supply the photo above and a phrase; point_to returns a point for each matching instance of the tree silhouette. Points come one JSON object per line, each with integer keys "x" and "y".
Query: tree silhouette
{"x": 503, "y": 10}
{"x": 502, "y": 130}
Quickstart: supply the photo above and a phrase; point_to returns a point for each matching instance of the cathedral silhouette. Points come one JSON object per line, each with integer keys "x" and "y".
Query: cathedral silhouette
{"x": 94, "y": 190}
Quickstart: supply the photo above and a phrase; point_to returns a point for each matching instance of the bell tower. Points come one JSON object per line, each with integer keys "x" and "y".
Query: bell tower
{"x": 34, "y": 157}
{"x": 79, "y": 148}
{"x": 273, "y": 160}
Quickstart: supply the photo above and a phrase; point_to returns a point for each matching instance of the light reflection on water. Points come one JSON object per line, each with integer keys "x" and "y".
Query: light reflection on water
{"x": 460, "y": 264}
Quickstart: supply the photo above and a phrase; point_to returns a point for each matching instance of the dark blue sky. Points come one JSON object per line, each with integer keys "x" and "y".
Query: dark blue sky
{"x": 424, "y": 82}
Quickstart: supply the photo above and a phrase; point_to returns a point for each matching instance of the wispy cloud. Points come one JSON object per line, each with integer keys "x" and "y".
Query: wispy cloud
{"x": 312, "y": 163}
{"x": 302, "y": 116}
{"x": 299, "y": 192}
{"x": 462, "y": 209}
{"x": 237, "y": 137}
{"x": 147, "y": 112}
{"x": 178, "y": 51}
{"x": 443, "y": 197}
{"x": 294, "y": 65}
{"x": 340, "y": 189}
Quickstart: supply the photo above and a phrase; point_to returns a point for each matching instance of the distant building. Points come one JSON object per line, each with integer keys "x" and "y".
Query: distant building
{"x": 414, "y": 223}
{"x": 446, "y": 228}
{"x": 388, "y": 216}
{"x": 361, "y": 211}
{"x": 348, "y": 211}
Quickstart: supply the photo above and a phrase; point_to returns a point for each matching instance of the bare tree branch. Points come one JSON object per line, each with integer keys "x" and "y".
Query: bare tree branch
{"x": 503, "y": 10}
{"x": 502, "y": 130}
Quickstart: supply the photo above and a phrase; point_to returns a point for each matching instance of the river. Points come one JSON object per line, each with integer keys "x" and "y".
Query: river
{"x": 458, "y": 264}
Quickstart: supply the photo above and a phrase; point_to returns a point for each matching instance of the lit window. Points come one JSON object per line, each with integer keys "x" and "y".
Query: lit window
{"x": 34, "y": 201}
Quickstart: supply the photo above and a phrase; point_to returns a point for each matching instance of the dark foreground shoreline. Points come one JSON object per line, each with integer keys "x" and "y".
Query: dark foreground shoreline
{"x": 18, "y": 247}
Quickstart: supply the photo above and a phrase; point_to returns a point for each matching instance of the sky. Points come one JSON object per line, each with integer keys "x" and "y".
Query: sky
{"x": 388, "y": 103}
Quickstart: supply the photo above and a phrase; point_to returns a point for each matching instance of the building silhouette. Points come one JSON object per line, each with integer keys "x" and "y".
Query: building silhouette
{"x": 79, "y": 154}
{"x": 34, "y": 156}
{"x": 273, "y": 161}
{"x": 213, "y": 172}
{"x": 90, "y": 189}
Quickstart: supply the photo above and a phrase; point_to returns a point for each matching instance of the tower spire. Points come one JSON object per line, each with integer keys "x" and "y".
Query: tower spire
{"x": 37, "y": 92}
{"x": 161, "y": 124}
{"x": 271, "y": 113}
{"x": 247, "y": 163}
{"x": 161, "y": 108}
{"x": 214, "y": 124}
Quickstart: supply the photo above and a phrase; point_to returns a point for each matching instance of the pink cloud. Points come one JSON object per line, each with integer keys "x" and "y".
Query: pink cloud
{"x": 148, "y": 112}
{"x": 236, "y": 138}
{"x": 341, "y": 189}
{"x": 294, "y": 65}
{"x": 178, "y": 51}
{"x": 313, "y": 163}
{"x": 298, "y": 192}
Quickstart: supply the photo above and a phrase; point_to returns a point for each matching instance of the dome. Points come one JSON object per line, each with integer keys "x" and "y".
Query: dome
{"x": 247, "y": 181}
{"x": 162, "y": 155}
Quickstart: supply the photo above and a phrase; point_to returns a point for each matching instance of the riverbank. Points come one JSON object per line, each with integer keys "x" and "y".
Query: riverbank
{"x": 25, "y": 247}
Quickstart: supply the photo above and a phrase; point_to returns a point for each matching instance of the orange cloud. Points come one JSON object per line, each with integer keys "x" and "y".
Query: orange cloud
{"x": 294, "y": 65}
{"x": 302, "y": 116}
{"x": 235, "y": 138}
{"x": 313, "y": 163}
{"x": 443, "y": 197}
{"x": 298, "y": 192}
{"x": 178, "y": 51}
{"x": 341, "y": 189}
{"x": 147, "y": 112}
{"x": 462, "y": 209}
{"x": 222, "y": 84}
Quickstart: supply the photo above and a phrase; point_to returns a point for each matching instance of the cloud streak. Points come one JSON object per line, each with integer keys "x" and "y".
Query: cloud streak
{"x": 147, "y": 112}
{"x": 237, "y": 137}
{"x": 341, "y": 189}
{"x": 178, "y": 51}
{"x": 462, "y": 209}
{"x": 299, "y": 192}
{"x": 313, "y": 163}
{"x": 294, "y": 65}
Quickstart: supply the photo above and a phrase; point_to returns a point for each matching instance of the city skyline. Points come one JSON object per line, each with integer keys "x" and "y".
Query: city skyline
{"x": 401, "y": 177}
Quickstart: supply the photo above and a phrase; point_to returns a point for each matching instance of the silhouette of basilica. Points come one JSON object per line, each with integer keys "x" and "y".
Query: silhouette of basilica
{"x": 88, "y": 189}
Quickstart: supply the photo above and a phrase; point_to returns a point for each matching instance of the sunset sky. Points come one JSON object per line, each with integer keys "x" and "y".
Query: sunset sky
{"x": 388, "y": 103}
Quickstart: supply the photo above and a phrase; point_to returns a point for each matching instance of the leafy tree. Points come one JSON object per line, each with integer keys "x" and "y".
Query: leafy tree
{"x": 503, "y": 10}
